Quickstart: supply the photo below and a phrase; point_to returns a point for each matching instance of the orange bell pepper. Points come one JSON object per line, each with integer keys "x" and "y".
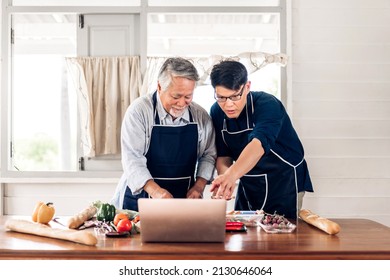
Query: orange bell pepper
{"x": 43, "y": 213}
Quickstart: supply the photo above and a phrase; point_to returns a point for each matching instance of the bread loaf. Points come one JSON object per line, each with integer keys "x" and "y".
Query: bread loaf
{"x": 323, "y": 224}
{"x": 25, "y": 226}
{"x": 79, "y": 219}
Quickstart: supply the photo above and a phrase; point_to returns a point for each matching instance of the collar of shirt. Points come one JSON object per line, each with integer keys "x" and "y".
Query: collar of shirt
{"x": 166, "y": 118}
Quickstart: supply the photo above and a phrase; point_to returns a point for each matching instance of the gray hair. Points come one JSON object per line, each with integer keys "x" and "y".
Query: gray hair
{"x": 176, "y": 67}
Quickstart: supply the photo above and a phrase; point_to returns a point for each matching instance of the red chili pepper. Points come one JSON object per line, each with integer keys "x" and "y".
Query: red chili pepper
{"x": 235, "y": 226}
{"x": 234, "y": 223}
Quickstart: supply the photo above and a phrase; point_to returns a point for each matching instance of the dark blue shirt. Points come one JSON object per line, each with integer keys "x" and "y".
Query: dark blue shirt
{"x": 271, "y": 125}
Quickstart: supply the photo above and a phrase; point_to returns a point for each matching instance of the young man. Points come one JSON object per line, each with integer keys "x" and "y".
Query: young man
{"x": 256, "y": 144}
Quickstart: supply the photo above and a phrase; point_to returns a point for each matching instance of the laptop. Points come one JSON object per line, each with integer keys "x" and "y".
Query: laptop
{"x": 182, "y": 220}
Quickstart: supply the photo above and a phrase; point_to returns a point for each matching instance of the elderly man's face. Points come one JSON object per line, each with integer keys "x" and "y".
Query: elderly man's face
{"x": 176, "y": 98}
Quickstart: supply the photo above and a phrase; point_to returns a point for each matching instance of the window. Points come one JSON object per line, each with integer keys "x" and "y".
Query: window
{"x": 43, "y": 102}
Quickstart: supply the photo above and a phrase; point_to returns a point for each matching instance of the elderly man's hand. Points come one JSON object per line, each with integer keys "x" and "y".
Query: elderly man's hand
{"x": 155, "y": 191}
{"x": 195, "y": 193}
{"x": 161, "y": 193}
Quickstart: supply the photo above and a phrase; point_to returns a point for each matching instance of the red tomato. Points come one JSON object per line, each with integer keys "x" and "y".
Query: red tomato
{"x": 124, "y": 225}
{"x": 120, "y": 216}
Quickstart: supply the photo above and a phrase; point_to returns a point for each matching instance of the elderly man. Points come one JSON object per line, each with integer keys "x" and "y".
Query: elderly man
{"x": 166, "y": 140}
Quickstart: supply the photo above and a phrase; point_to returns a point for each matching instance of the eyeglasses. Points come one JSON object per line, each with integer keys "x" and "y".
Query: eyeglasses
{"x": 234, "y": 97}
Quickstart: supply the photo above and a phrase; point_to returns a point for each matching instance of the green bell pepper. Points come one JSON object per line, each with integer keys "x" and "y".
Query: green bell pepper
{"x": 106, "y": 212}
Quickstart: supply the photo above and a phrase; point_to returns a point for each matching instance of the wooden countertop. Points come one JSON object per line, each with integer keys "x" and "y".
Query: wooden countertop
{"x": 358, "y": 239}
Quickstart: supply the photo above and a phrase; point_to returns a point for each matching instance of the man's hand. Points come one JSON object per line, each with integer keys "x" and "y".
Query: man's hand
{"x": 196, "y": 191}
{"x": 161, "y": 193}
{"x": 223, "y": 186}
{"x": 155, "y": 191}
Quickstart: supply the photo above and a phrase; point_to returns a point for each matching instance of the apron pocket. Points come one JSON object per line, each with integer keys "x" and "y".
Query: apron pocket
{"x": 255, "y": 191}
{"x": 262, "y": 193}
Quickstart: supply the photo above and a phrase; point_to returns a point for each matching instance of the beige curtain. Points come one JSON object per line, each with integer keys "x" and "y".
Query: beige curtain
{"x": 106, "y": 86}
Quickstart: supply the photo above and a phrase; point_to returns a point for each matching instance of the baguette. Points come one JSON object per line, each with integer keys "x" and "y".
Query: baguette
{"x": 77, "y": 220}
{"x": 323, "y": 224}
{"x": 24, "y": 226}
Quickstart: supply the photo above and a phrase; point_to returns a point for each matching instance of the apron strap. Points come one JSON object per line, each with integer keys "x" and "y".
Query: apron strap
{"x": 250, "y": 113}
{"x": 156, "y": 117}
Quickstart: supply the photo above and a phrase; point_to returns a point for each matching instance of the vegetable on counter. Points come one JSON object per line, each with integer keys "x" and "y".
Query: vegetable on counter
{"x": 131, "y": 214}
{"x": 119, "y": 217}
{"x": 111, "y": 221}
{"x": 35, "y": 212}
{"x": 106, "y": 212}
{"x": 235, "y": 226}
{"x": 43, "y": 213}
{"x": 124, "y": 225}
{"x": 79, "y": 219}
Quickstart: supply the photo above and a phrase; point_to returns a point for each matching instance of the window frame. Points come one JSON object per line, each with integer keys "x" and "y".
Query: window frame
{"x": 7, "y": 9}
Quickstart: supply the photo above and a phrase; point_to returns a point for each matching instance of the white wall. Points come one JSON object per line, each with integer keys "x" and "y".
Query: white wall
{"x": 341, "y": 104}
{"x": 68, "y": 198}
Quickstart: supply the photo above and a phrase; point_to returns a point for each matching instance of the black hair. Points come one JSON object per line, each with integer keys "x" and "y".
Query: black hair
{"x": 230, "y": 74}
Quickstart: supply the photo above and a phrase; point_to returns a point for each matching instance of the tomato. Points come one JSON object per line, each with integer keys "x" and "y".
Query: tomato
{"x": 124, "y": 225}
{"x": 120, "y": 216}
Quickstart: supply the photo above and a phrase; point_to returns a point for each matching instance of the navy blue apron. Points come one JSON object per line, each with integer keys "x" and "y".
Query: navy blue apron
{"x": 171, "y": 158}
{"x": 271, "y": 185}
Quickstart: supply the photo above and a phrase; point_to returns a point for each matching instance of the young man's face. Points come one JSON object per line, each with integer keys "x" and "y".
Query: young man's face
{"x": 234, "y": 105}
{"x": 176, "y": 98}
